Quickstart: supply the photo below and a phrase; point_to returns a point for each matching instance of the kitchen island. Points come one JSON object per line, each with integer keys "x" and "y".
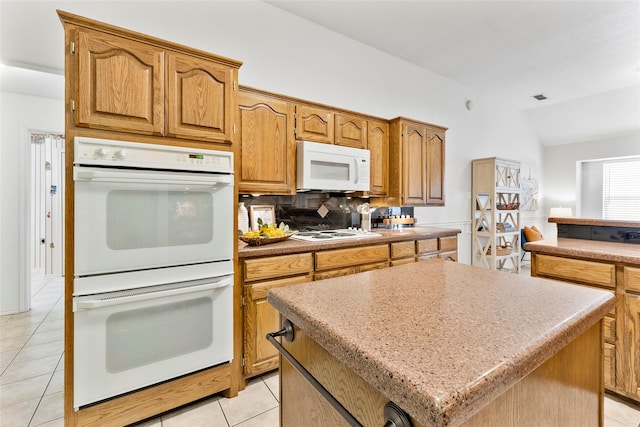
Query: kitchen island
{"x": 450, "y": 344}
{"x": 599, "y": 257}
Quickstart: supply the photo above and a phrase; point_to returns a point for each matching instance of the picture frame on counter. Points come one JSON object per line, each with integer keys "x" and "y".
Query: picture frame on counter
{"x": 267, "y": 213}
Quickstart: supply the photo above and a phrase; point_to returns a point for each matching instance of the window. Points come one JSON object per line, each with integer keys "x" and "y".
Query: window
{"x": 621, "y": 189}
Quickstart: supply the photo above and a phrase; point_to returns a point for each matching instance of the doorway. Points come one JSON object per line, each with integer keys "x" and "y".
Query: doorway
{"x": 46, "y": 200}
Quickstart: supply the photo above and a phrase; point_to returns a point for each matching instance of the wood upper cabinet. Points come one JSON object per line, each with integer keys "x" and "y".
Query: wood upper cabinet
{"x": 350, "y": 130}
{"x": 378, "y": 142}
{"x": 267, "y": 154}
{"x": 414, "y": 173}
{"x": 314, "y": 124}
{"x": 416, "y": 164}
{"x": 124, "y": 80}
{"x": 435, "y": 166}
{"x": 200, "y": 98}
{"x": 120, "y": 84}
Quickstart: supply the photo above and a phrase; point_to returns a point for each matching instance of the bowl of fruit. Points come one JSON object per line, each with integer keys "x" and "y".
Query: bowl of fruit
{"x": 266, "y": 234}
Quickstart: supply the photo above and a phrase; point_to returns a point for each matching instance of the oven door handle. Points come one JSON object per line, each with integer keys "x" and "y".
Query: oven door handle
{"x": 99, "y": 175}
{"x": 124, "y": 298}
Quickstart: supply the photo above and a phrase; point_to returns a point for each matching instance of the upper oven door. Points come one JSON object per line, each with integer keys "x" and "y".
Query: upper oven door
{"x": 138, "y": 219}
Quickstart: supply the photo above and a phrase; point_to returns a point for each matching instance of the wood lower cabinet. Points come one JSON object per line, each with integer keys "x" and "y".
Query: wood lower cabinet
{"x": 258, "y": 275}
{"x": 351, "y": 258}
{"x": 261, "y": 318}
{"x": 123, "y": 79}
{"x": 267, "y": 154}
{"x": 628, "y": 333}
{"x": 621, "y": 328}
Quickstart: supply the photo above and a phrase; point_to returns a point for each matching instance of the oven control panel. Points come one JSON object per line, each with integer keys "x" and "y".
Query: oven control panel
{"x": 102, "y": 152}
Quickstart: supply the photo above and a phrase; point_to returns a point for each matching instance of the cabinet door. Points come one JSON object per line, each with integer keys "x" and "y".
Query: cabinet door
{"x": 201, "y": 99}
{"x": 267, "y": 152}
{"x": 120, "y": 84}
{"x": 314, "y": 124}
{"x": 350, "y": 131}
{"x": 261, "y": 318}
{"x": 378, "y": 142}
{"x": 435, "y": 167}
{"x": 415, "y": 164}
{"x": 628, "y": 346}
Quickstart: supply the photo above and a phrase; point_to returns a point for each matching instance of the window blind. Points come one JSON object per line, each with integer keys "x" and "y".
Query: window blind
{"x": 621, "y": 189}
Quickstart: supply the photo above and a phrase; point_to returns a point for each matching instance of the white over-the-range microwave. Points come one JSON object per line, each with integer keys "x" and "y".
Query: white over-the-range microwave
{"x": 331, "y": 167}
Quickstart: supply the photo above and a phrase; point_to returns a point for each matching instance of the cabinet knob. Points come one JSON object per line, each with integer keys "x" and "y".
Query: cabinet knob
{"x": 394, "y": 416}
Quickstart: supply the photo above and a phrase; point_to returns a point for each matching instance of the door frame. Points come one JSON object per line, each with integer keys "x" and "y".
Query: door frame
{"x": 25, "y": 216}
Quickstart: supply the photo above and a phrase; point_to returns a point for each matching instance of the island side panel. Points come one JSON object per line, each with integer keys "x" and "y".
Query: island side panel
{"x": 566, "y": 390}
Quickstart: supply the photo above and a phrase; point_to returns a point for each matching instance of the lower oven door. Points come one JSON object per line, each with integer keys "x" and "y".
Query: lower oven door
{"x": 127, "y": 340}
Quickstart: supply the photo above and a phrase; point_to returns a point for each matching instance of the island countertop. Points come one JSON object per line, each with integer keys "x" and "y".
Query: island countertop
{"x": 581, "y": 248}
{"x": 441, "y": 339}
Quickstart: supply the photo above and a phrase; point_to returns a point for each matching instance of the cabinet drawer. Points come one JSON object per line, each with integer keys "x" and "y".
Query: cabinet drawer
{"x": 427, "y": 245}
{"x": 259, "y": 290}
{"x": 609, "y": 365}
{"x": 609, "y": 328}
{"x": 371, "y": 267}
{"x": 575, "y": 270}
{"x": 425, "y": 257}
{"x": 631, "y": 278}
{"x": 403, "y": 249}
{"x": 351, "y": 256}
{"x": 334, "y": 273}
{"x": 449, "y": 256}
{"x": 446, "y": 244}
{"x": 278, "y": 266}
{"x": 403, "y": 261}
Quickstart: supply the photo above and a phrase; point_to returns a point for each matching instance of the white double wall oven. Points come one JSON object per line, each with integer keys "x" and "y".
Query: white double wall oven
{"x": 153, "y": 264}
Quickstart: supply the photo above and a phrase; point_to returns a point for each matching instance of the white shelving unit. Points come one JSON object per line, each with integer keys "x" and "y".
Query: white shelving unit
{"x": 496, "y": 214}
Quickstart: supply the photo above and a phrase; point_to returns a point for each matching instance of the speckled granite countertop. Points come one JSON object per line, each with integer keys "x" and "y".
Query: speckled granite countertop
{"x": 595, "y": 222}
{"x": 441, "y": 339}
{"x": 594, "y": 249}
{"x": 292, "y": 246}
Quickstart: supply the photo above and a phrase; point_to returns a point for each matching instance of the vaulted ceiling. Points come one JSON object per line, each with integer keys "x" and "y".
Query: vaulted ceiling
{"x": 584, "y": 56}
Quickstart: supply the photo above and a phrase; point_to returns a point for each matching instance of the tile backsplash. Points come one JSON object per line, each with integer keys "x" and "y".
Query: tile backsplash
{"x": 324, "y": 210}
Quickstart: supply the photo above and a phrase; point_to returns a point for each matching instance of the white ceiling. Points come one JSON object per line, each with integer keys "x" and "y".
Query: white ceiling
{"x": 583, "y": 55}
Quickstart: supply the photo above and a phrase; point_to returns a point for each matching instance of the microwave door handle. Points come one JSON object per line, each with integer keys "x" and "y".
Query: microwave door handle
{"x": 150, "y": 178}
{"x": 89, "y": 304}
{"x": 357, "y": 170}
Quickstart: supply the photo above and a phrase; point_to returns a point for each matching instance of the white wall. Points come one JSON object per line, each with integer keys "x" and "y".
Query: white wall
{"x": 288, "y": 55}
{"x": 590, "y": 189}
{"x": 562, "y": 169}
{"x": 19, "y": 113}
{"x": 560, "y": 165}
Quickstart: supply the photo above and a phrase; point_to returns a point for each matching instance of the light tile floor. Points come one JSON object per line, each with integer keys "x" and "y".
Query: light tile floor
{"x": 31, "y": 379}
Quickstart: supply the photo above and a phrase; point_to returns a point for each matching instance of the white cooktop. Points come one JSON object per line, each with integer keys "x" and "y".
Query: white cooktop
{"x": 332, "y": 235}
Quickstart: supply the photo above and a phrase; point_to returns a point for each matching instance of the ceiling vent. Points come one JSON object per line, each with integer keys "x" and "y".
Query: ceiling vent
{"x": 540, "y": 97}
